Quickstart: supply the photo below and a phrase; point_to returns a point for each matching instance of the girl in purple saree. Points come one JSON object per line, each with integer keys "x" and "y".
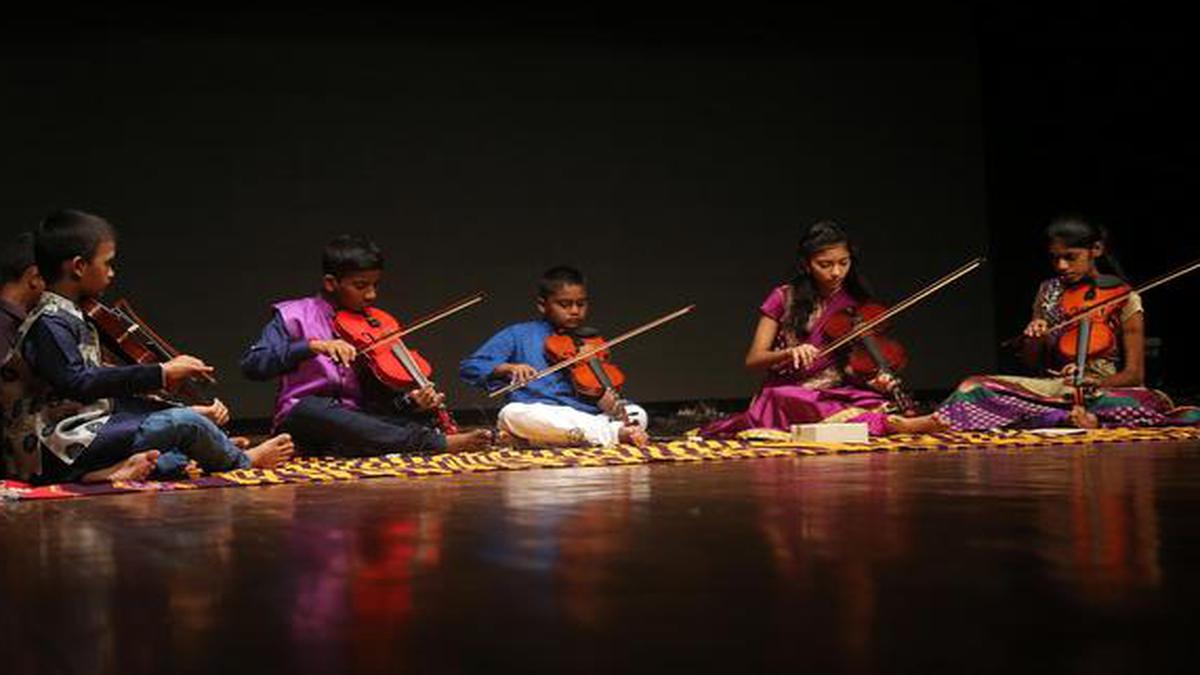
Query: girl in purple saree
{"x": 799, "y": 387}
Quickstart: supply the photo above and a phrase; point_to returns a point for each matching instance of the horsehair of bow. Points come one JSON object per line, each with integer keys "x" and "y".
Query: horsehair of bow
{"x": 1169, "y": 276}
{"x": 452, "y": 308}
{"x": 901, "y": 306}
{"x": 1153, "y": 283}
{"x": 581, "y": 356}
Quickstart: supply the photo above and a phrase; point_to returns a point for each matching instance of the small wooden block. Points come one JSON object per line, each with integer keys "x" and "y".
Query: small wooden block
{"x": 852, "y": 432}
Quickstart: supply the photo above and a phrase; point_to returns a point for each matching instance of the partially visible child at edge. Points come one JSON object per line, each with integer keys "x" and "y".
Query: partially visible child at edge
{"x": 93, "y": 421}
{"x": 326, "y": 400}
{"x": 799, "y": 387}
{"x": 1113, "y": 381}
{"x": 20, "y": 287}
{"x": 549, "y": 411}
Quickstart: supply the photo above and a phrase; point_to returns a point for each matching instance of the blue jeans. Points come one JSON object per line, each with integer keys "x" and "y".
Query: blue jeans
{"x": 182, "y": 435}
{"x": 323, "y": 426}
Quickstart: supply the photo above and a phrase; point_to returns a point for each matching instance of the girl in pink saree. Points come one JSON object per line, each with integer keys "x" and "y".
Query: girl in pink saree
{"x": 799, "y": 386}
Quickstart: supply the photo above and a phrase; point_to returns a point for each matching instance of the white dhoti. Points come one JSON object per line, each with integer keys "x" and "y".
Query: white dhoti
{"x": 550, "y": 424}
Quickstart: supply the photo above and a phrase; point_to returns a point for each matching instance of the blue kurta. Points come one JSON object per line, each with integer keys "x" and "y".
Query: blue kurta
{"x": 522, "y": 343}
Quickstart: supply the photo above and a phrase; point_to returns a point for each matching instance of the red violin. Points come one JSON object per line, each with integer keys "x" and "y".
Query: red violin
{"x": 375, "y": 334}
{"x": 126, "y": 337}
{"x": 872, "y": 354}
{"x": 592, "y": 376}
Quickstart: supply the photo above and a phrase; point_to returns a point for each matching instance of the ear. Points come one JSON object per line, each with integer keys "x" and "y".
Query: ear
{"x": 541, "y": 306}
{"x": 329, "y": 283}
{"x": 76, "y": 267}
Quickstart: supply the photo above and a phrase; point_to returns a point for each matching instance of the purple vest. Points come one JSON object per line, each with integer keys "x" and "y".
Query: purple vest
{"x": 312, "y": 319}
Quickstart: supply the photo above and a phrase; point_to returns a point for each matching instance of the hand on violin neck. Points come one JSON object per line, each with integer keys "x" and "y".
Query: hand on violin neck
{"x": 610, "y": 403}
{"x": 517, "y": 373}
{"x": 1068, "y": 376}
{"x": 1037, "y": 328}
{"x": 884, "y": 383}
{"x": 183, "y": 368}
{"x": 427, "y": 398}
{"x": 339, "y": 351}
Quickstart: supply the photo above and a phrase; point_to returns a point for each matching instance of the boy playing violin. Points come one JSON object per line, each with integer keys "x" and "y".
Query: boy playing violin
{"x": 549, "y": 410}
{"x": 93, "y": 421}
{"x": 325, "y": 400}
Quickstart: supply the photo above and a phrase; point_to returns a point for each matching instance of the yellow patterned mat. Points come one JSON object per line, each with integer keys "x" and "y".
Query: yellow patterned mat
{"x": 753, "y": 445}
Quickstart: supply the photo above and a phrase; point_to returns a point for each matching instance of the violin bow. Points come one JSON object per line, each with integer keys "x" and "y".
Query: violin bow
{"x": 168, "y": 351}
{"x": 899, "y": 307}
{"x": 1083, "y": 313}
{"x": 588, "y": 353}
{"x": 453, "y": 308}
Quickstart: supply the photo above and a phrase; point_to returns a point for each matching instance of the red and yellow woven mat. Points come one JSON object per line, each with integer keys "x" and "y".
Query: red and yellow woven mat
{"x": 327, "y": 469}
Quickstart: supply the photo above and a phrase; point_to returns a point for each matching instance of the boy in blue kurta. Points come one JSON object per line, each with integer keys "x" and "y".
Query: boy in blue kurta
{"x": 549, "y": 410}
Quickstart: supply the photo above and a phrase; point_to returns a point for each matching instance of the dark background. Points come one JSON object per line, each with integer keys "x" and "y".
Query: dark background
{"x": 674, "y": 157}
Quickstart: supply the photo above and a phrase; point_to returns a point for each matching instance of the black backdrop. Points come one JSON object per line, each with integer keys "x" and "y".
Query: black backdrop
{"x": 674, "y": 158}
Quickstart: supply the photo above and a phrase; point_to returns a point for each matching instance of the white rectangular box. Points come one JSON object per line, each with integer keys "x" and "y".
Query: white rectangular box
{"x": 852, "y": 432}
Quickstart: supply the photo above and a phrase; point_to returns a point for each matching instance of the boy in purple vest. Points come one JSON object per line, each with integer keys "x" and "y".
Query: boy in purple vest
{"x": 92, "y": 421}
{"x": 326, "y": 401}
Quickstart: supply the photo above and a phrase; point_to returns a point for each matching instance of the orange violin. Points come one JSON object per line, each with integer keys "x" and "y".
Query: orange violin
{"x": 1093, "y": 335}
{"x": 397, "y": 366}
{"x": 592, "y": 376}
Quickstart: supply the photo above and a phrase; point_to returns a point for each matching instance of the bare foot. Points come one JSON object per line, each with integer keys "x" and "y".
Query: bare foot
{"x": 633, "y": 435}
{"x": 1083, "y": 419}
{"x": 193, "y": 470}
{"x": 272, "y": 452}
{"x": 466, "y": 441}
{"x": 925, "y": 424}
{"x": 240, "y": 441}
{"x": 135, "y": 467}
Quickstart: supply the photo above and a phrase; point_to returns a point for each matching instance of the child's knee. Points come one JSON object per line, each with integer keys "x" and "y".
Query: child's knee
{"x": 190, "y": 420}
{"x": 638, "y": 416}
{"x": 970, "y": 384}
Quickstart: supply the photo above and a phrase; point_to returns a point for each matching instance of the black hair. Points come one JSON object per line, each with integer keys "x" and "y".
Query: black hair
{"x": 67, "y": 234}
{"x": 1073, "y": 231}
{"x": 16, "y": 257}
{"x": 348, "y": 253}
{"x": 815, "y": 239}
{"x": 556, "y": 278}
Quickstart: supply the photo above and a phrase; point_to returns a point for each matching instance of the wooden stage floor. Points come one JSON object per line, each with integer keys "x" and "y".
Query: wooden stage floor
{"x": 1069, "y": 560}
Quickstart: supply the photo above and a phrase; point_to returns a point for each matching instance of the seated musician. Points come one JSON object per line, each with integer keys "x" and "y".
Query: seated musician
{"x": 801, "y": 387}
{"x": 93, "y": 421}
{"x": 1109, "y": 390}
{"x": 326, "y": 399}
{"x": 549, "y": 410}
{"x": 20, "y": 287}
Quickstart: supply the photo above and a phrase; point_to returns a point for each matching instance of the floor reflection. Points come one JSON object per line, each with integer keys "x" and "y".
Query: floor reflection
{"x": 1076, "y": 559}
